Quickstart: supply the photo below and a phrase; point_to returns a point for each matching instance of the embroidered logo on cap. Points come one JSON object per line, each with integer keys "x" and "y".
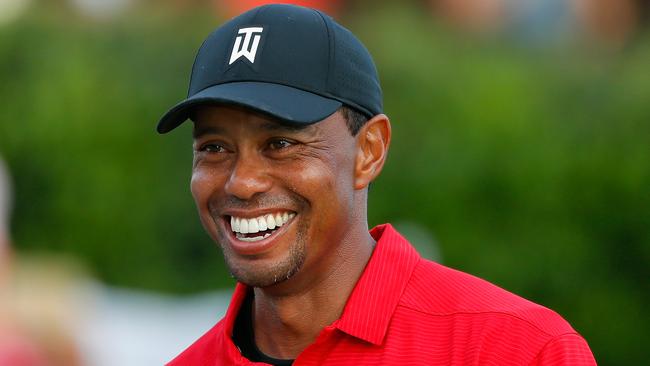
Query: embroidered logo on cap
{"x": 243, "y": 46}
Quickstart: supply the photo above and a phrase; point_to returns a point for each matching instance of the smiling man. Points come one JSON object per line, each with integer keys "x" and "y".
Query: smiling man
{"x": 288, "y": 134}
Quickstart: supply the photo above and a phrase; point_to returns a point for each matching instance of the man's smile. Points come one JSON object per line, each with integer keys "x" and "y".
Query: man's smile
{"x": 252, "y": 235}
{"x": 258, "y": 228}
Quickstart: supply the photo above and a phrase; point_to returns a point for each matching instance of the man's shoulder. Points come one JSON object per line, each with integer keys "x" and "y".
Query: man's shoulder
{"x": 439, "y": 291}
{"x": 204, "y": 350}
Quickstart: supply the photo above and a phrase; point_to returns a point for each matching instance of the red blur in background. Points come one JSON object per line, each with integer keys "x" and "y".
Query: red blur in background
{"x": 232, "y": 8}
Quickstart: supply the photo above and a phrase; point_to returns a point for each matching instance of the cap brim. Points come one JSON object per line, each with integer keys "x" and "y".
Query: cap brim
{"x": 283, "y": 102}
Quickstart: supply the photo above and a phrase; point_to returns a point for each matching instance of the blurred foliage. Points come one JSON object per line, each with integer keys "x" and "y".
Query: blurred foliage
{"x": 531, "y": 167}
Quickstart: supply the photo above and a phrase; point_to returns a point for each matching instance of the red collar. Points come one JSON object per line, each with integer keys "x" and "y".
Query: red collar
{"x": 371, "y": 305}
{"x": 373, "y": 300}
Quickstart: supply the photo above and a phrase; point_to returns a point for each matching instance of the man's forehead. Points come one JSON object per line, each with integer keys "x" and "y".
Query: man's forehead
{"x": 216, "y": 119}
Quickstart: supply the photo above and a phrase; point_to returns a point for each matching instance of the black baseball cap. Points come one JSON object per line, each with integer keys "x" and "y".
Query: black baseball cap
{"x": 294, "y": 63}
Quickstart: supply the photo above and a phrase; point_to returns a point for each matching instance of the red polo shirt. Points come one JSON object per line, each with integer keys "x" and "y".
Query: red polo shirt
{"x": 406, "y": 310}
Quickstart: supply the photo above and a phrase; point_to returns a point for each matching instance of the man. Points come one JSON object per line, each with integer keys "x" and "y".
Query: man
{"x": 288, "y": 134}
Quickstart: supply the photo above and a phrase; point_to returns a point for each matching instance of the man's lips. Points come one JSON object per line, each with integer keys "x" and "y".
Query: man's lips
{"x": 254, "y": 235}
{"x": 261, "y": 224}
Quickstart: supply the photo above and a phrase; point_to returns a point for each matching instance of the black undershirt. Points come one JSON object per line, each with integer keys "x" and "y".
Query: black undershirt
{"x": 244, "y": 337}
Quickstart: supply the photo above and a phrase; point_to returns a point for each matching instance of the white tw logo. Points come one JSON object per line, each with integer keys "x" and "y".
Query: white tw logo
{"x": 245, "y": 48}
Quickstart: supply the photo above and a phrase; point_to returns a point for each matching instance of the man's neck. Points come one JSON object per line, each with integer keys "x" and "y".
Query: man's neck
{"x": 286, "y": 322}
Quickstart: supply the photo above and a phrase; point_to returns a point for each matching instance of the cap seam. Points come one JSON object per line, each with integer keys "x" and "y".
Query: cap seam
{"x": 257, "y": 12}
{"x": 189, "y": 88}
{"x": 330, "y": 50}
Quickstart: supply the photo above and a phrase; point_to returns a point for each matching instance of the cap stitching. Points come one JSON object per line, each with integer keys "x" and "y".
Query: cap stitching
{"x": 257, "y": 12}
{"x": 330, "y": 49}
{"x": 196, "y": 57}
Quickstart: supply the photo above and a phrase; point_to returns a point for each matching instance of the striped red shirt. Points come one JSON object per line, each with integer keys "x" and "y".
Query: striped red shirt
{"x": 406, "y": 310}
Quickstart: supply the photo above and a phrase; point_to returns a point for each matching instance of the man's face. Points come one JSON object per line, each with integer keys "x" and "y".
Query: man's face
{"x": 277, "y": 199}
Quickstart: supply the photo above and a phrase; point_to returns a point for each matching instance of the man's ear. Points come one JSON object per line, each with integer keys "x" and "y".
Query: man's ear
{"x": 373, "y": 140}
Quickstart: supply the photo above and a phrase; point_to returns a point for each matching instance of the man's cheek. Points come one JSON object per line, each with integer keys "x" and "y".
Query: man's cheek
{"x": 199, "y": 186}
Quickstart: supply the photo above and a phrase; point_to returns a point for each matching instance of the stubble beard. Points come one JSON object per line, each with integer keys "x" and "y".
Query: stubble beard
{"x": 264, "y": 276}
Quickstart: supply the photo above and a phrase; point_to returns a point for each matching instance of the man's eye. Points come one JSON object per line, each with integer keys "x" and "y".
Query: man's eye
{"x": 212, "y": 148}
{"x": 279, "y": 144}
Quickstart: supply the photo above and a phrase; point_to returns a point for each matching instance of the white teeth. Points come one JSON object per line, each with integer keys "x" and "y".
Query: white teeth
{"x": 262, "y": 223}
{"x": 255, "y": 238}
{"x": 234, "y": 223}
{"x": 270, "y": 222}
{"x": 243, "y": 226}
{"x": 253, "y": 227}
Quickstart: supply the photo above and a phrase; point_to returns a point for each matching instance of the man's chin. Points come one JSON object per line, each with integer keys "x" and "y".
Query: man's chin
{"x": 262, "y": 280}
{"x": 264, "y": 276}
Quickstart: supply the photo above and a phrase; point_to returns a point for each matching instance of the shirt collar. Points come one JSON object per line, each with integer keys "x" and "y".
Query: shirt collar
{"x": 370, "y": 307}
{"x": 374, "y": 298}
{"x": 236, "y": 301}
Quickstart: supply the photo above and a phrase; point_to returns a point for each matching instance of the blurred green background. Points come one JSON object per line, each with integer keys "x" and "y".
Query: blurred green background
{"x": 528, "y": 164}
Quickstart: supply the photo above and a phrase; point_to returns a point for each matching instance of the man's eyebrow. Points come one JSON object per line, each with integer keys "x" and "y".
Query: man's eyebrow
{"x": 206, "y": 130}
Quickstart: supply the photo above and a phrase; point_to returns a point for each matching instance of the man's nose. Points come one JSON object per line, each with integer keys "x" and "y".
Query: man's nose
{"x": 247, "y": 178}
